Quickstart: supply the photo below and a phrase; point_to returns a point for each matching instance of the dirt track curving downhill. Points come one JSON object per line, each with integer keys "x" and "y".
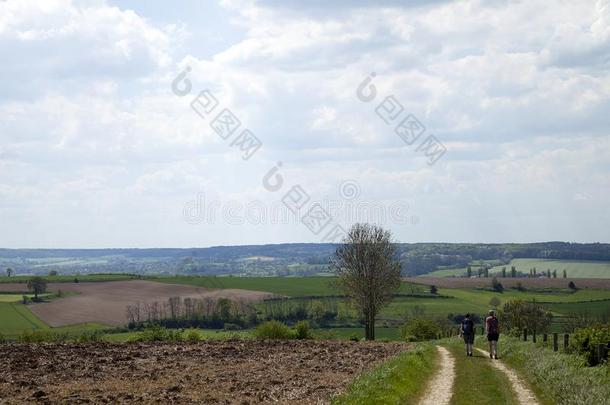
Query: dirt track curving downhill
{"x": 106, "y": 302}
{"x": 232, "y": 372}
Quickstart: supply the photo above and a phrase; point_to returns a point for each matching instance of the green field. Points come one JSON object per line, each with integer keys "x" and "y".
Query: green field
{"x": 459, "y": 272}
{"x": 16, "y": 317}
{"x": 575, "y": 269}
{"x": 289, "y": 286}
{"x": 17, "y": 297}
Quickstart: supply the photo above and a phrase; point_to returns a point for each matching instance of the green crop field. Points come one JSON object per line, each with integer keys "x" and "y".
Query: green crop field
{"x": 16, "y": 297}
{"x": 446, "y": 273}
{"x": 575, "y": 269}
{"x": 289, "y": 286}
{"x": 16, "y": 318}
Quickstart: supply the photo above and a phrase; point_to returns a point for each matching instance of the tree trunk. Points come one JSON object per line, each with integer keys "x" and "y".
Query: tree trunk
{"x": 369, "y": 326}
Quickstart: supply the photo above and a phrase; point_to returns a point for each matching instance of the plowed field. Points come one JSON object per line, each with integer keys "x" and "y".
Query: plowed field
{"x": 230, "y": 372}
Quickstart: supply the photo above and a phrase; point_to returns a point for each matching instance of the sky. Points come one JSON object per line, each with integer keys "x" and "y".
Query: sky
{"x": 466, "y": 121}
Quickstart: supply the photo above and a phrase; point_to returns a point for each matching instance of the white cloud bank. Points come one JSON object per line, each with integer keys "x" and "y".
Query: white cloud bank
{"x": 96, "y": 151}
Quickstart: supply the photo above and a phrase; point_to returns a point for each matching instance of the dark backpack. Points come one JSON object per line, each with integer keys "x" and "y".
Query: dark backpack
{"x": 467, "y": 326}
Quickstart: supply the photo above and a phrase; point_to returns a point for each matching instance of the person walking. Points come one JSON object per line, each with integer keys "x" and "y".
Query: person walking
{"x": 492, "y": 329}
{"x": 467, "y": 332}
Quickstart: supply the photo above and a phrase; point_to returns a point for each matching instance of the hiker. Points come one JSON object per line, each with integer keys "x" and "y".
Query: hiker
{"x": 492, "y": 328}
{"x": 467, "y": 332}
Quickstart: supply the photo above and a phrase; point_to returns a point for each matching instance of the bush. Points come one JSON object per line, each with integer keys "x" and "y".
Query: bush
{"x": 354, "y": 337}
{"x": 273, "y": 330}
{"x": 192, "y": 335}
{"x": 585, "y": 341}
{"x": 2, "y": 339}
{"x": 302, "y": 330}
{"x": 89, "y": 336}
{"x": 420, "y": 329}
{"x": 496, "y": 285}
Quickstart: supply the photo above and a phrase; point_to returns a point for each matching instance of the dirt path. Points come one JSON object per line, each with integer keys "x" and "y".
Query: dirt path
{"x": 523, "y": 393}
{"x": 441, "y": 387}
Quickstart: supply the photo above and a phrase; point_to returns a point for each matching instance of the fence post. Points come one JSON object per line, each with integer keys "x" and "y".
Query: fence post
{"x": 525, "y": 334}
{"x": 544, "y": 338}
{"x": 534, "y": 336}
{"x": 566, "y": 341}
{"x": 600, "y": 353}
{"x": 555, "y": 345}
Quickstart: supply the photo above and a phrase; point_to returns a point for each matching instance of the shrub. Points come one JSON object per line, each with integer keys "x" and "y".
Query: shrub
{"x": 2, "y": 338}
{"x": 272, "y": 330}
{"x": 585, "y": 341}
{"x": 192, "y": 335}
{"x": 89, "y": 336}
{"x": 496, "y": 285}
{"x": 420, "y": 329}
{"x": 354, "y": 337}
{"x": 302, "y": 330}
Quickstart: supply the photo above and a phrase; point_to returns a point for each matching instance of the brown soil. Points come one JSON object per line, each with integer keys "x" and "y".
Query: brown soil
{"x": 227, "y": 372}
{"x": 106, "y": 302}
{"x": 457, "y": 282}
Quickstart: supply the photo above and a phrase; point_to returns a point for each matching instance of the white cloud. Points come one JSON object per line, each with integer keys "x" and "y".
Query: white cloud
{"x": 91, "y": 137}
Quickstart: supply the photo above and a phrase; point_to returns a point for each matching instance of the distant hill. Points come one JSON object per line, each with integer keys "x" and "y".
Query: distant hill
{"x": 283, "y": 259}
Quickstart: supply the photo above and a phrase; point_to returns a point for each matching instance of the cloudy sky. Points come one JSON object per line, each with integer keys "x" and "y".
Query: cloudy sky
{"x": 99, "y": 149}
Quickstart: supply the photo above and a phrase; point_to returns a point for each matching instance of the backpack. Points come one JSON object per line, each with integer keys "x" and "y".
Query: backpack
{"x": 492, "y": 325}
{"x": 467, "y": 327}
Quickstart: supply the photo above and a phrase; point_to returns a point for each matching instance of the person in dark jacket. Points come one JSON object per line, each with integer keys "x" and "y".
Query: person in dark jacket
{"x": 467, "y": 332}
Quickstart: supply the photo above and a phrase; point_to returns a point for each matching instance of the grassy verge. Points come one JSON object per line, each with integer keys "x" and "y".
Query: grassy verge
{"x": 400, "y": 380}
{"x": 556, "y": 378}
{"x": 476, "y": 381}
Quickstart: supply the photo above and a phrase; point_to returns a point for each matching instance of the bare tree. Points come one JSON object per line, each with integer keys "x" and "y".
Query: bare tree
{"x": 367, "y": 271}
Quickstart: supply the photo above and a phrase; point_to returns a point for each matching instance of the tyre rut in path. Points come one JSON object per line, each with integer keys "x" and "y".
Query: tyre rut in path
{"x": 524, "y": 395}
{"x": 440, "y": 389}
